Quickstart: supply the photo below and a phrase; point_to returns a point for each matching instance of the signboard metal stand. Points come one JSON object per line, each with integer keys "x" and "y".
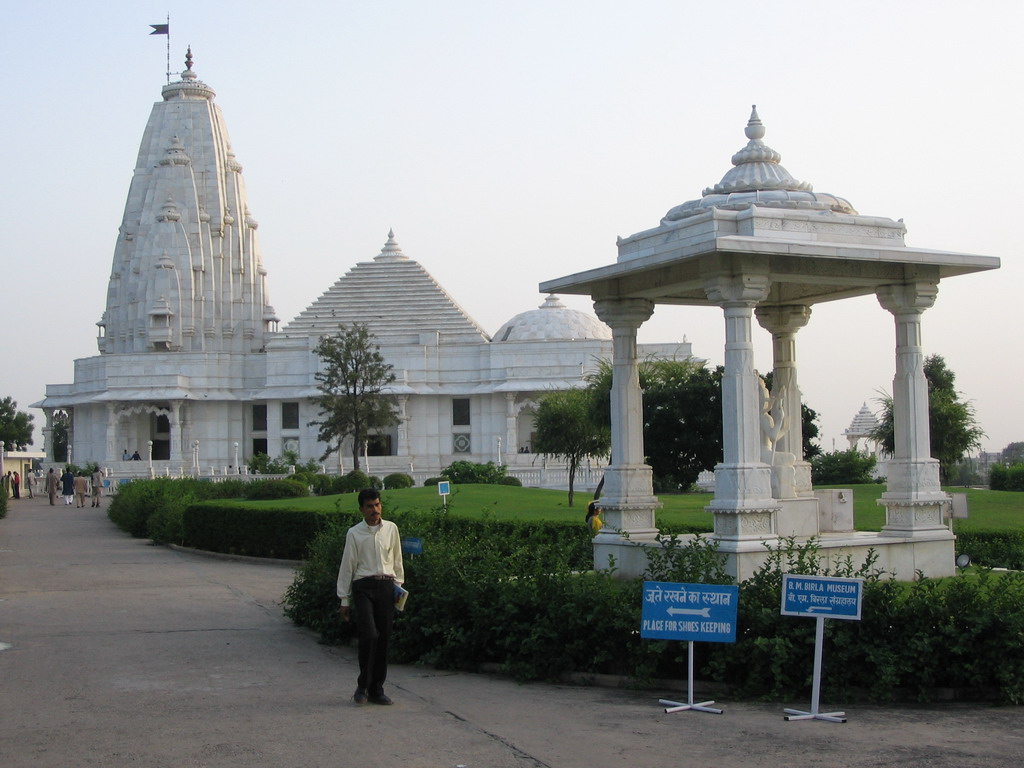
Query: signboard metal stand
{"x": 705, "y": 612}
{"x": 820, "y": 597}
{"x": 814, "y": 714}
{"x": 675, "y": 706}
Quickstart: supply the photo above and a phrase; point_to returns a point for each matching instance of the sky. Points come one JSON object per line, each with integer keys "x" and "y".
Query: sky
{"x": 511, "y": 143}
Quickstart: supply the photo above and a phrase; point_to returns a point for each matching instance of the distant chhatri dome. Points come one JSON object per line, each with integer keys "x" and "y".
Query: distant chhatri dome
{"x": 863, "y": 424}
{"x": 758, "y": 178}
{"x": 551, "y": 321}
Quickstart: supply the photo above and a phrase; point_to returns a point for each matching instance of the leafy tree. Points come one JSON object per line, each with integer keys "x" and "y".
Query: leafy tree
{"x": 15, "y": 426}
{"x": 842, "y": 467}
{"x": 954, "y": 429}
{"x": 565, "y": 427}
{"x": 682, "y": 417}
{"x": 1013, "y": 453}
{"x": 352, "y": 381}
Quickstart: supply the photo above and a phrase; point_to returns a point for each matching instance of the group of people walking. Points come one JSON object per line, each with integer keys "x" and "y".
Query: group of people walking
{"x": 12, "y": 485}
{"x": 75, "y": 488}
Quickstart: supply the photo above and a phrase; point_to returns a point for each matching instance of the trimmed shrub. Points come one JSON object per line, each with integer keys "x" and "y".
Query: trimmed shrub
{"x": 432, "y": 481}
{"x": 994, "y": 549}
{"x": 276, "y": 489}
{"x": 465, "y": 472}
{"x": 235, "y": 529}
{"x": 398, "y": 480}
{"x": 509, "y": 480}
{"x": 1003, "y": 478}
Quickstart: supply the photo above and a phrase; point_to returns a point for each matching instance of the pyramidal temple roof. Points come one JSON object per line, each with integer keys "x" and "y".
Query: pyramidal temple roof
{"x": 395, "y": 297}
{"x": 758, "y": 178}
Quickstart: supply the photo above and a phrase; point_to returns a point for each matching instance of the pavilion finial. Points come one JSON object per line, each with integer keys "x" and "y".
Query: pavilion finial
{"x": 188, "y": 59}
{"x": 755, "y": 128}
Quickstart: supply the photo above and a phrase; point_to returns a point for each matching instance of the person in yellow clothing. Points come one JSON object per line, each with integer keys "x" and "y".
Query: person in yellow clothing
{"x": 594, "y": 517}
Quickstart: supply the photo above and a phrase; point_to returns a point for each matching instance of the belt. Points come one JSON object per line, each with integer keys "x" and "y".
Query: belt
{"x": 376, "y": 578}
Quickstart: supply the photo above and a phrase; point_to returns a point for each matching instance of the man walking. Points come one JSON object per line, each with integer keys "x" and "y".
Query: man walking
{"x": 52, "y": 483}
{"x": 97, "y": 487}
{"x": 371, "y": 569}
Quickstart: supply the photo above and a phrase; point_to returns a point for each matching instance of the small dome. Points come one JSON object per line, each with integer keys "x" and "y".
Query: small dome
{"x": 553, "y": 320}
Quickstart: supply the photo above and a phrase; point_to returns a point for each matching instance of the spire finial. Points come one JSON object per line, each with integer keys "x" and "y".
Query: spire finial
{"x": 188, "y": 59}
{"x": 755, "y": 128}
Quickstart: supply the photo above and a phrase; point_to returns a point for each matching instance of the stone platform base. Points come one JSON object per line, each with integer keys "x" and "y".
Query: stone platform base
{"x": 931, "y": 553}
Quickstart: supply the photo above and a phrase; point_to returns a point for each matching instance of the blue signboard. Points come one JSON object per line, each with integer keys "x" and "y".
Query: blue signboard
{"x": 412, "y": 546}
{"x": 689, "y": 612}
{"x": 831, "y": 597}
{"x": 444, "y": 488}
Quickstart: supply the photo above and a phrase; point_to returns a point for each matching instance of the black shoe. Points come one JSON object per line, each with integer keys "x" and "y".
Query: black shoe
{"x": 359, "y": 697}
{"x": 380, "y": 698}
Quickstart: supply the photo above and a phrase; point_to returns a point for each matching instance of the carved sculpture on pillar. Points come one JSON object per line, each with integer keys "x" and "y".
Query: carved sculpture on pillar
{"x": 774, "y": 423}
{"x": 783, "y": 322}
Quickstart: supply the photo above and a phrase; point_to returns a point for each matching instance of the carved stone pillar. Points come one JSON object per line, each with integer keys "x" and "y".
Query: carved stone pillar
{"x": 783, "y": 323}
{"x": 628, "y": 501}
{"x": 511, "y": 427}
{"x": 174, "y": 420}
{"x": 743, "y": 503}
{"x": 403, "y": 426}
{"x": 914, "y": 497}
{"x": 112, "y": 433}
{"x": 48, "y": 435}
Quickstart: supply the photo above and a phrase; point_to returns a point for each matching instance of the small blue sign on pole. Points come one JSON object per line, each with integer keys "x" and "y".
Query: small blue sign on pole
{"x": 692, "y": 612}
{"x": 412, "y": 545}
{"x": 831, "y": 597}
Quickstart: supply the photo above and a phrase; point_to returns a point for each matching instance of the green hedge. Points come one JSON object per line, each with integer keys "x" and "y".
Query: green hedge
{"x": 235, "y": 529}
{"x": 994, "y": 549}
{"x": 154, "y": 508}
{"x": 1003, "y": 478}
{"x": 523, "y": 603}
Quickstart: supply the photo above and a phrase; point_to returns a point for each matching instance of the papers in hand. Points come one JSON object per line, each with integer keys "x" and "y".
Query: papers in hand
{"x": 401, "y": 596}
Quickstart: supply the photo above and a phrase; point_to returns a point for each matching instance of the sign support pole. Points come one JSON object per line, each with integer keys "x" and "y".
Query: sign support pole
{"x": 814, "y": 714}
{"x": 675, "y": 706}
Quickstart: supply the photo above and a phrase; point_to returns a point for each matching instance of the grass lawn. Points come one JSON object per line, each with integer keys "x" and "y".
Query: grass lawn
{"x": 989, "y": 510}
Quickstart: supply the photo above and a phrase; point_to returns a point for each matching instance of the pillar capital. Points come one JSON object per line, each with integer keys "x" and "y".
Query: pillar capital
{"x": 744, "y": 290}
{"x": 624, "y": 313}
{"x": 907, "y": 298}
{"x": 788, "y": 318}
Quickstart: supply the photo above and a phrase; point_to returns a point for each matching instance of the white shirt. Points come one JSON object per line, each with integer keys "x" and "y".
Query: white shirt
{"x": 370, "y": 551}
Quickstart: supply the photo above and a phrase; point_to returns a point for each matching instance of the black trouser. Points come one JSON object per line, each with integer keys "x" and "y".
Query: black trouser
{"x": 374, "y": 603}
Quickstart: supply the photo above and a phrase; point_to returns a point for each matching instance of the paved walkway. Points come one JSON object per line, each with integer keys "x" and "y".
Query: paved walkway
{"x": 119, "y": 653}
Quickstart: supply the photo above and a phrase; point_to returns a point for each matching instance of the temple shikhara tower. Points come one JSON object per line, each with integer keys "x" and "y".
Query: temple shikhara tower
{"x": 187, "y": 314}
{"x": 195, "y": 376}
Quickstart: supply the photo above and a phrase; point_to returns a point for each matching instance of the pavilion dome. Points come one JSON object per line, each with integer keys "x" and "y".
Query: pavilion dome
{"x": 552, "y": 321}
{"x": 863, "y": 424}
{"x": 758, "y": 178}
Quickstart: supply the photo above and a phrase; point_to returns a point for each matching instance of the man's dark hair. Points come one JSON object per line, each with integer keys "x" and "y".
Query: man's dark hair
{"x": 368, "y": 494}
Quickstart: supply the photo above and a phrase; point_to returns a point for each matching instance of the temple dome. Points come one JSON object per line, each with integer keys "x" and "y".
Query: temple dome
{"x": 551, "y": 321}
{"x": 758, "y": 178}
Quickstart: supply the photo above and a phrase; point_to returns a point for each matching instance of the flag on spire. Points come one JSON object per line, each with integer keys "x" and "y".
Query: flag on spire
{"x": 160, "y": 29}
